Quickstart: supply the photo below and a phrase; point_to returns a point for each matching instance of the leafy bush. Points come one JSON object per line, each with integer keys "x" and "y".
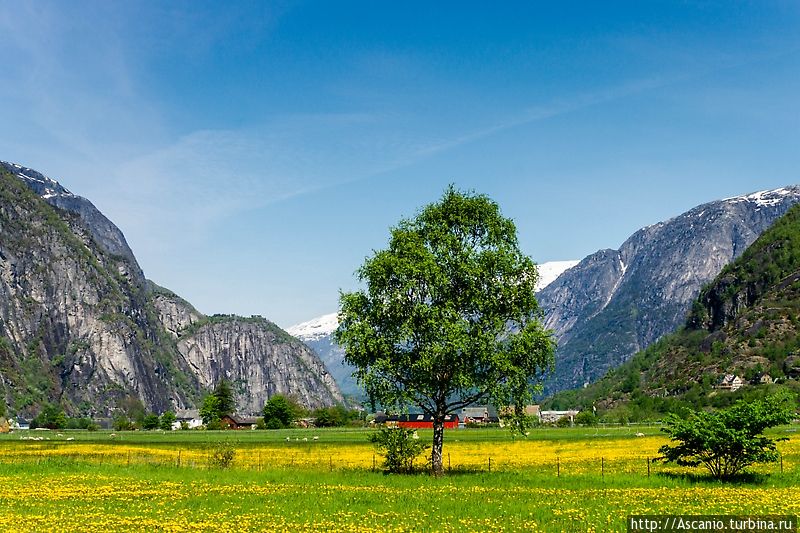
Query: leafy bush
{"x": 336, "y": 416}
{"x": 729, "y": 440}
{"x": 222, "y": 455}
{"x": 586, "y": 418}
{"x": 279, "y": 412}
{"x": 399, "y": 447}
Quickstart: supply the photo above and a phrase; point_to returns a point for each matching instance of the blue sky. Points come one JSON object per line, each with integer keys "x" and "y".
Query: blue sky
{"x": 254, "y": 154}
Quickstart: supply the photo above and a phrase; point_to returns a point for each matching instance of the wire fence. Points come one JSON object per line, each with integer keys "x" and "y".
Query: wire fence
{"x": 472, "y": 458}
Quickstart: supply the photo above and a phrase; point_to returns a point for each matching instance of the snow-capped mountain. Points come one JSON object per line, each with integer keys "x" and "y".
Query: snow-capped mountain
{"x": 315, "y": 328}
{"x": 617, "y": 302}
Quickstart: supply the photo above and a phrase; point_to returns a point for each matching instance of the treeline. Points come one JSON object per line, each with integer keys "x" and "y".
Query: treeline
{"x": 279, "y": 412}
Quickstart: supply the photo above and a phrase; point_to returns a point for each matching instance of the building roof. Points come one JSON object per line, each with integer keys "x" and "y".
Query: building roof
{"x": 243, "y": 420}
{"x": 187, "y": 414}
{"x": 417, "y": 417}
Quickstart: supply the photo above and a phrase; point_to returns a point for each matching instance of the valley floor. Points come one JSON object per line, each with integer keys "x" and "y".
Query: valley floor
{"x": 555, "y": 480}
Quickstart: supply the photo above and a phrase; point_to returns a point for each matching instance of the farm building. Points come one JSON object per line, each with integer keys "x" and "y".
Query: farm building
{"x": 190, "y": 416}
{"x": 239, "y": 422}
{"x": 415, "y": 421}
{"x": 483, "y": 414}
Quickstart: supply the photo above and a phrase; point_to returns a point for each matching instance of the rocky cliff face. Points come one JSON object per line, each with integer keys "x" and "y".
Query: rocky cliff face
{"x": 258, "y": 357}
{"x": 75, "y": 324}
{"x": 616, "y": 302}
{"x": 744, "y": 323}
{"x": 103, "y": 231}
{"x": 80, "y": 325}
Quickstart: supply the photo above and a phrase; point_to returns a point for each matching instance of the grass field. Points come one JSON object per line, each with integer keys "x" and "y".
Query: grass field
{"x": 554, "y": 480}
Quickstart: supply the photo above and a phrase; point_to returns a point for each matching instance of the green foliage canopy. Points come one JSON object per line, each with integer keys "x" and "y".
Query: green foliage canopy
{"x": 51, "y": 417}
{"x": 227, "y": 402}
{"x": 449, "y": 316}
{"x": 729, "y": 440}
{"x": 209, "y": 411}
{"x": 167, "y": 419}
{"x": 150, "y": 421}
{"x": 279, "y": 412}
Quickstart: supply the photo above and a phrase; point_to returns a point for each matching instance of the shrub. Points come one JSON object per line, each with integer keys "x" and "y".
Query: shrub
{"x": 51, "y": 417}
{"x": 729, "y": 440}
{"x": 279, "y": 412}
{"x": 399, "y": 447}
{"x": 222, "y": 455}
{"x": 586, "y": 418}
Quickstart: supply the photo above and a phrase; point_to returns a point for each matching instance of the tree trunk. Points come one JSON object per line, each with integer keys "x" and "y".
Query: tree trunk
{"x": 438, "y": 441}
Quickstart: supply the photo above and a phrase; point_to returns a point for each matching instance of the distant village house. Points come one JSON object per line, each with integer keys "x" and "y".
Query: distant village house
{"x": 415, "y": 421}
{"x": 551, "y": 417}
{"x": 239, "y": 422}
{"x": 730, "y": 382}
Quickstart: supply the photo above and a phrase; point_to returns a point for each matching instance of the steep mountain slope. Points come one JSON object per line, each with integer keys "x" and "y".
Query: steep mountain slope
{"x": 317, "y": 333}
{"x": 105, "y": 233}
{"x": 256, "y": 355}
{"x": 616, "y": 302}
{"x": 80, "y": 325}
{"x": 746, "y": 322}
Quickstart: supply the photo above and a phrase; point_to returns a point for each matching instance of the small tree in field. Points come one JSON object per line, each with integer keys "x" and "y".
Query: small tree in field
{"x": 279, "y": 412}
{"x": 151, "y": 421}
{"x": 729, "y": 440}
{"x": 210, "y": 412}
{"x": 224, "y": 393}
{"x": 449, "y": 316}
{"x": 167, "y": 419}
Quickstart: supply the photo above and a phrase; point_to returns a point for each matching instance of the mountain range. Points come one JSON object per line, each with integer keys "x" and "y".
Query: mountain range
{"x": 616, "y": 302}
{"x": 81, "y": 325}
{"x": 744, "y": 325}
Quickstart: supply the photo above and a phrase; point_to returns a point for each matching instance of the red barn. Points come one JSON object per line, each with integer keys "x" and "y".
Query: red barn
{"x": 420, "y": 421}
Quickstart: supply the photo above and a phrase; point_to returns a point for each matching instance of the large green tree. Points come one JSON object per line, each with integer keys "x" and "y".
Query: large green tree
{"x": 449, "y": 316}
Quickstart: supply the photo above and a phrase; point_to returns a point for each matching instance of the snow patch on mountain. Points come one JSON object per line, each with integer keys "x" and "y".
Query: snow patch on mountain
{"x": 316, "y": 328}
{"x": 765, "y": 198}
{"x": 549, "y": 272}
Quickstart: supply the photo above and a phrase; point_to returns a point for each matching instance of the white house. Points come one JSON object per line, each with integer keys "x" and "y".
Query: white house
{"x": 550, "y": 417}
{"x": 731, "y": 382}
{"x": 190, "y": 416}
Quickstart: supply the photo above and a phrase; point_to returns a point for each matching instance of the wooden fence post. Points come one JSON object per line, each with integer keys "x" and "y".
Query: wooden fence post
{"x": 648, "y": 467}
{"x": 602, "y": 467}
{"x": 179, "y": 458}
{"x": 490, "y": 465}
{"x": 558, "y": 467}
